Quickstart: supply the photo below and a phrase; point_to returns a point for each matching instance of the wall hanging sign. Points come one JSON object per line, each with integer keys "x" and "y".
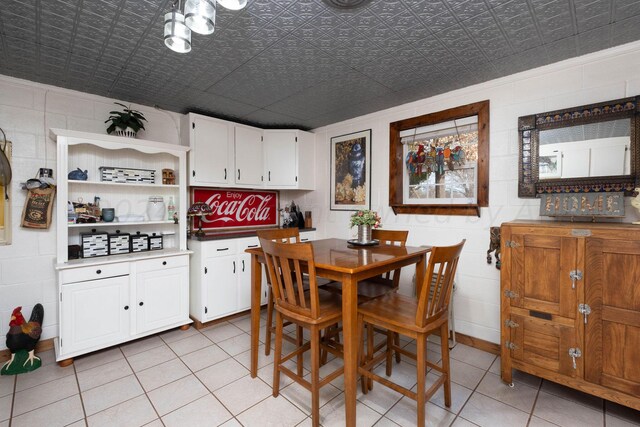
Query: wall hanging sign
{"x": 236, "y": 208}
{"x": 351, "y": 171}
{"x": 583, "y": 205}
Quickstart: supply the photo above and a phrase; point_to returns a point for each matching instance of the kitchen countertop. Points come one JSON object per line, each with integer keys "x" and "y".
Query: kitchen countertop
{"x": 233, "y": 234}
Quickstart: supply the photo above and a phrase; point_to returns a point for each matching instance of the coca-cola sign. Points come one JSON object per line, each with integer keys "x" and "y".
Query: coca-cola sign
{"x": 237, "y": 208}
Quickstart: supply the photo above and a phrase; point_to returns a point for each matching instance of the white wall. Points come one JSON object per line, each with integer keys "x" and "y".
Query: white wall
{"x": 597, "y": 77}
{"x": 27, "y": 111}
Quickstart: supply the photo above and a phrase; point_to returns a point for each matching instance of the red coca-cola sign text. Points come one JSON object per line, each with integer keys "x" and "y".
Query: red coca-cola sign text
{"x": 237, "y": 208}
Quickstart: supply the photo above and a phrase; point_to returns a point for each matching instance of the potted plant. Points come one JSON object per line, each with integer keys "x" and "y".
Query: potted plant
{"x": 365, "y": 220}
{"x": 125, "y": 123}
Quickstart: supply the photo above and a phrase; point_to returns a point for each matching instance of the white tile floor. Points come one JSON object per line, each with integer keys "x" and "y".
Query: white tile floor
{"x": 201, "y": 378}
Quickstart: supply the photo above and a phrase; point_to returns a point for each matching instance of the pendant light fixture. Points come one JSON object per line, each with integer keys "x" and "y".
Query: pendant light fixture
{"x": 177, "y": 36}
{"x": 232, "y": 4}
{"x": 200, "y": 15}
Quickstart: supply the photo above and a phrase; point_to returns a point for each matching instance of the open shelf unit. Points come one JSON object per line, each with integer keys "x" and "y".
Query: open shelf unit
{"x": 89, "y": 152}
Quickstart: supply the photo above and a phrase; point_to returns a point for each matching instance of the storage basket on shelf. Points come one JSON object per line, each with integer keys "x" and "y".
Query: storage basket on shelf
{"x": 94, "y": 244}
{"x": 127, "y": 175}
{"x": 119, "y": 243}
{"x": 139, "y": 242}
{"x": 155, "y": 242}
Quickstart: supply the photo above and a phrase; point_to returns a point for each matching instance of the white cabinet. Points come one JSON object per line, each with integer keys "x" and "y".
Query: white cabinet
{"x": 211, "y": 156}
{"x": 111, "y": 299}
{"x": 96, "y": 314}
{"x": 223, "y": 154}
{"x": 248, "y": 156}
{"x": 289, "y": 159}
{"x": 220, "y": 281}
{"x": 107, "y": 304}
{"x": 220, "y": 277}
{"x": 162, "y": 296}
{"x": 227, "y": 154}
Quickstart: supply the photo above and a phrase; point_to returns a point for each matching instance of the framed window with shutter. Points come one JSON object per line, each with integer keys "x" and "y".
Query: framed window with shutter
{"x": 439, "y": 162}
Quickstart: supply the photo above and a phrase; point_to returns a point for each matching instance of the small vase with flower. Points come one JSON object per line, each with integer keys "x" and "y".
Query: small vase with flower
{"x": 366, "y": 220}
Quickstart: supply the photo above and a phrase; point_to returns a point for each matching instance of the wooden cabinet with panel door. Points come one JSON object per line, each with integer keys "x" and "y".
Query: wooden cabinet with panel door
{"x": 570, "y": 307}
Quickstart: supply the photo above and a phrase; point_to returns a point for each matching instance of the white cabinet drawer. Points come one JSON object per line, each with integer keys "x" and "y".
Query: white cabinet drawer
{"x": 307, "y": 236}
{"x": 216, "y": 248}
{"x": 164, "y": 263}
{"x": 247, "y": 243}
{"x": 81, "y": 274}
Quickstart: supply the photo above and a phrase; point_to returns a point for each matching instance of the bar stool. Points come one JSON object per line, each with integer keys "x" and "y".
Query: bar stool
{"x": 415, "y": 318}
{"x": 313, "y": 309}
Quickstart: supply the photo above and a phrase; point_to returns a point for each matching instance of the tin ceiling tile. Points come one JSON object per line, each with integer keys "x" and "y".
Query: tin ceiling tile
{"x": 440, "y": 22}
{"x": 19, "y": 32}
{"x": 594, "y": 40}
{"x": 626, "y": 8}
{"x": 626, "y": 30}
{"x": 305, "y": 9}
{"x": 288, "y": 49}
{"x": 265, "y": 118}
{"x": 469, "y": 9}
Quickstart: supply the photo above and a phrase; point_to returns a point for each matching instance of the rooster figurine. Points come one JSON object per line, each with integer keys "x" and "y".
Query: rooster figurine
{"x": 21, "y": 341}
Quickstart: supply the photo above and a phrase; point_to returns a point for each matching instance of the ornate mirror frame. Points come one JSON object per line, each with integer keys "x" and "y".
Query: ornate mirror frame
{"x": 529, "y": 183}
{"x": 396, "y": 161}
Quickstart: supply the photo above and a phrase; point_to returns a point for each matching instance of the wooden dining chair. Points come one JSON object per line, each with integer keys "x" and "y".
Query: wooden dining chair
{"x": 415, "y": 318}
{"x": 282, "y": 235}
{"x": 313, "y": 309}
{"x": 377, "y": 286}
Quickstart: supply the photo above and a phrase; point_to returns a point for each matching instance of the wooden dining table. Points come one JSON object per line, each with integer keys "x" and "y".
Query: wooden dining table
{"x": 338, "y": 260}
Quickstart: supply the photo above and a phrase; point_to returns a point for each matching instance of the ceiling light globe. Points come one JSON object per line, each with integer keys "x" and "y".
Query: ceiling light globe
{"x": 233, "y": 4}
{"x": 177, "y": 36}
{"x": 200, "y": 15}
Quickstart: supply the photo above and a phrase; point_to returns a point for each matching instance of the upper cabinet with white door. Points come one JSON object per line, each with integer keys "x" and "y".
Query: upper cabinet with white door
{"x": 211, "y": 156}
{"x": 248, "y": 156}
{"x": 227, "y": 154}
{"x": 289, "y": 159}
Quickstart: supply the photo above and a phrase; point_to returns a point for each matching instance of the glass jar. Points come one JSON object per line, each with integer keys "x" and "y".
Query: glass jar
{"x": 156, "y": 209}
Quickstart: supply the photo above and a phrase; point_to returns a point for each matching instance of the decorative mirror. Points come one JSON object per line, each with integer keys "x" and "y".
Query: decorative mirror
{"x": 591, "y": 148}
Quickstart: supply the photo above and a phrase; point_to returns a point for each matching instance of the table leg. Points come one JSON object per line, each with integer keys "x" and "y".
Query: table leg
{"x": 349, "y": 329}
{"x": 420, "y": 267}
{"x": 256, "y": 288}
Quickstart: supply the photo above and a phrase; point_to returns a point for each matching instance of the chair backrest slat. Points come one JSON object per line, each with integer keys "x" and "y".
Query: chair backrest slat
{"x": 436, "y": 290}
{"x": 284, "y": 235}
{"x": 391, "y": 238}
{"x": 286, "y": 265}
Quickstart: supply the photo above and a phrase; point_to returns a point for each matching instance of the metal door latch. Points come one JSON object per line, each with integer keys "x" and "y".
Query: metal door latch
{"x": 510, "y": 294}
{"x": 511, "y": 244}
{"x": 585, "y": 310}
{"x": 575, "y": 353}
{"x": 511, "y": 346}
{"x": 575, "y": 275}
{"x": 510, "y": 324}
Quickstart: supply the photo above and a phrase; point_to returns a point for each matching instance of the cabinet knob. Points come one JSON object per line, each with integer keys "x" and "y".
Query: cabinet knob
{"x": 126, "y": 307}
{"x": 98, "y": 271}
{"x": 164, "y": 262}
{"x": 141, "y": 304}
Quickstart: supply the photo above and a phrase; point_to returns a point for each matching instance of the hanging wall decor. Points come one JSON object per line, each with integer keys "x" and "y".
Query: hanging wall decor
{"x": 351, "y": 171}
{"x": 439, "y": 162}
